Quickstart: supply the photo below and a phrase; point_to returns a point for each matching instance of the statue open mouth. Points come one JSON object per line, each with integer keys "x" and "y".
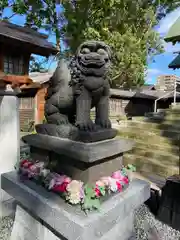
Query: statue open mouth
{"x": 92, "y": 65}
{"x": 93, "y": 58}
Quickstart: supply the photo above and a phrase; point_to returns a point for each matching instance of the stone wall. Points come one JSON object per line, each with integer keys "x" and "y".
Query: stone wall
{"x": 9, "y": 140}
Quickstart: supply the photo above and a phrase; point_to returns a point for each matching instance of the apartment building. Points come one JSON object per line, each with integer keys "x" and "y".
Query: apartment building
{"x": 166, "y": 82}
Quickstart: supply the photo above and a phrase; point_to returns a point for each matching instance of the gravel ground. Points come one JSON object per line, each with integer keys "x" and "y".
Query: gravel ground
{"x": 146, "y": 226}
{"x": 149, "y": 228}
{"x": 6, "y": 224}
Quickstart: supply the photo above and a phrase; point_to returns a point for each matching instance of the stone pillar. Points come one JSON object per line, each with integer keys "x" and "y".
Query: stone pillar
{"x": 9, "y": 142}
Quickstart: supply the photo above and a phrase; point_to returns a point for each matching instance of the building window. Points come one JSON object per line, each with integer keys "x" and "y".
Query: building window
{"x": 26, "y": 103}
{"x": 13, "y": 65}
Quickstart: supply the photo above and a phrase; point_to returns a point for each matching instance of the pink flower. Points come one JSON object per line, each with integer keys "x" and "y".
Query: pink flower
{"x": 105, "y": 180}
{"x": 60, "y": 188}
{"x": 67, "y": 179}
{"x": 97, "y": 192}
{"x": 125, "y": 180}
{"x": 119, "y": 176}
{"x": 61, "y": 179}
{"x": 27, "y": 164}
{"x": 119, "y": 186}
{"x": 116, "y": 175}
{"x": 34, "y": 169}
{"x": 100, "y": 183}
{"x": 23, "y": 162}
{"x": 82, "y": 194}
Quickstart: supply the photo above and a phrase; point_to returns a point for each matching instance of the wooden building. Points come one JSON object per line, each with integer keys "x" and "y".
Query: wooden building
{"x": 17, "y": 43}
{"x": 139, "y": 102}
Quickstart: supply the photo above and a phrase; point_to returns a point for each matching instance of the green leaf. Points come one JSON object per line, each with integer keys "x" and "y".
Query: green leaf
{"x": 87, "y": 204}
{"x": 96, "y": 203}
{"x": 124, "y": 171}
{"x": 90, "y": 204}
{"x": 102, "y": 191}
{"x": 131, "y": 167}
{"x": 89, "y": 191}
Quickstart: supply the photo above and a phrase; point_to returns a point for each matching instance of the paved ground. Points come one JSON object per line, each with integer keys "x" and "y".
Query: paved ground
{"x": 146, "y": 226}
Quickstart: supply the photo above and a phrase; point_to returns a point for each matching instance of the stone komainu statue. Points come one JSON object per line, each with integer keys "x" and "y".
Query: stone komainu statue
{"x": 74, "y": 89}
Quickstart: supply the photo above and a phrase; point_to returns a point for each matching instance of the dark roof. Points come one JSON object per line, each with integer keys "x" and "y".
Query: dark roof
{"x": 173, "y": 34}
{"x": 148, "y": 87}
{"x": 36, "y": 41}
{"x": 149, "y": 94}
{"x": 175, "y": 63}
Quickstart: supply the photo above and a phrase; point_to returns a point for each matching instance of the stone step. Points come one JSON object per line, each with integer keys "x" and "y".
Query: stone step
{"x": 174, "y": 106}
{"x": 150, "y": 165}
{"x": 167, "y": 125}
{"x": 172, "y": 117}
{"x": 149, "y": 137}
{"x": 163, "y": 156}
{"x": 170, "y": 149}
{"x": 170, "y": 136}
{"x": 151, "y": 126}
{"x": 141, "y": 124}
{"x": 164, "y": 129}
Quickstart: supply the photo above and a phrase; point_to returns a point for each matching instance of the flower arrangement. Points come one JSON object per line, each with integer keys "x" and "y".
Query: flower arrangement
{"x": 73, "y": 191}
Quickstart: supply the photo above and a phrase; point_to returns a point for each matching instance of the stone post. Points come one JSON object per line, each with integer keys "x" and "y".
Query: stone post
{"x": 9, "y": 142}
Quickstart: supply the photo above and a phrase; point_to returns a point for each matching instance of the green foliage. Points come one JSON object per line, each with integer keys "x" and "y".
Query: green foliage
{"x": 90, "y": 200}
{"x": 37, "y": 65}
{"x": 127, "y": 26}
{"x": 131, "y": 167}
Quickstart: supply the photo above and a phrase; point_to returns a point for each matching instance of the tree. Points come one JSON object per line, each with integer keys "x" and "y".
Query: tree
{"x": 38, "y": 65}
{"x": 126, "y": 25}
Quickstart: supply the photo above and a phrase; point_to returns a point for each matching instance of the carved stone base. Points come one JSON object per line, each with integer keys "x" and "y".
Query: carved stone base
{"x": 81, "y": 161}
{"x": 50, "y": 217}
{"x": 73, "y": 133}
{"x": 84, "y": 171}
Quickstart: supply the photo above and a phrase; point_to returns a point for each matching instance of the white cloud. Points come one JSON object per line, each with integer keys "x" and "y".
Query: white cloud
{"x": 168, "y": 21}
{"x": 163, "y": 28}
{"x": 153, "y": 71}
{"x": 170, "y": 48}
{"x": 149, "y": 81}
{"x": 151, "y": 75}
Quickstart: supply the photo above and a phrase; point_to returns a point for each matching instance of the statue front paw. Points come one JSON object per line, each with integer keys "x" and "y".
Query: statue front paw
{"x": 104, "y": 123}
{"x": 85, "y": 125}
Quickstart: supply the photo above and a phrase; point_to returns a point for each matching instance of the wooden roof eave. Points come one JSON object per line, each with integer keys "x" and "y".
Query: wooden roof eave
{"x": 175, "y": 64}
{"x": 173, "y": 34}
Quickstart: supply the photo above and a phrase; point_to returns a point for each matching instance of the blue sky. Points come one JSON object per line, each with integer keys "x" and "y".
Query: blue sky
{"x": 160, "y": 64}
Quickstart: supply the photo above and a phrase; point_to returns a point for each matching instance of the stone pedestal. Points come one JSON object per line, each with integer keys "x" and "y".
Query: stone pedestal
{"x": 9, "y": 142}
{"x": 87, "y": 162}
{"x": 43, "y": 215}
{"x": 169, "y": 210}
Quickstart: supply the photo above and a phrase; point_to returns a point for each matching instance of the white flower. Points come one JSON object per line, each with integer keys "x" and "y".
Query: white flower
{"x": 39, "y": 164}
{"x": 74, "y": 198}
{"x": 52, "y": 183}
{"x": 113, "y": 185}
{"x": 45, "y": 172}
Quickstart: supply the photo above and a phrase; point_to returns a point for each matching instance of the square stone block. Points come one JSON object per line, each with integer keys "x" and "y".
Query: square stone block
{"x": 69, "y": 222}
{"x": 85, "y": 152}
{"x": 87, "y": 162}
